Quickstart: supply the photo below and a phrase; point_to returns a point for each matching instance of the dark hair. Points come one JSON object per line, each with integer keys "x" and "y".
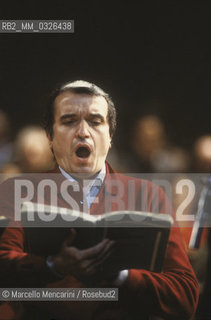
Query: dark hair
{"x": 79, "y": 87}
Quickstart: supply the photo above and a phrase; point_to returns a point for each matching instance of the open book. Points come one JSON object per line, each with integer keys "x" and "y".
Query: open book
{"x": 140, "y": 237}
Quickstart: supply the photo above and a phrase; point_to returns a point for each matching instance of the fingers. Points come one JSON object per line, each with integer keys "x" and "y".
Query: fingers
{"x": 94, "y": 263}
{"x": 93, "y": 266}
{"x": 70, "y": 238}
{"x": 105, "y": 252}
{"x": 84, "y": 262}
{"x": 96, "y": 250}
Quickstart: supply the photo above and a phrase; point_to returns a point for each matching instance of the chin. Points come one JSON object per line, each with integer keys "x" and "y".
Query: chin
{"x": 83, "y": 172}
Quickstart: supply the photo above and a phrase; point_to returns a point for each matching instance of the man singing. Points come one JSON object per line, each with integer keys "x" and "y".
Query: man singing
{"x": 80, "y": 122}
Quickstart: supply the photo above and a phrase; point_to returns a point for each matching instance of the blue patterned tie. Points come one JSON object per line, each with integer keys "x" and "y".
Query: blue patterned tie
{"x": 93, "y": 192}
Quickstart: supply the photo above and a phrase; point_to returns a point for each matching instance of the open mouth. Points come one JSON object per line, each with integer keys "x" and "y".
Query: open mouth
{"x": 83, "y": 152}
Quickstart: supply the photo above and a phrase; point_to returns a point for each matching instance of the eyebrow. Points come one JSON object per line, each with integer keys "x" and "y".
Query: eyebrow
{"x": 68, "y": 115}
{"x": 96, "y": 115}
{"x": 74, "y": 115}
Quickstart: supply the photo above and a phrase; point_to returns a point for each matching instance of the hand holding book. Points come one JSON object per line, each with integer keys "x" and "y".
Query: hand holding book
{"x": 84, "y": 263}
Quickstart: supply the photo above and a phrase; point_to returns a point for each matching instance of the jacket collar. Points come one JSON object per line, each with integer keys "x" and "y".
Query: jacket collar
{"x": 110, "y": 175}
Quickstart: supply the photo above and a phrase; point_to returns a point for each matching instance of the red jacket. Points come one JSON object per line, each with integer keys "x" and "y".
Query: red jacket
{"x": 172, "y": 294}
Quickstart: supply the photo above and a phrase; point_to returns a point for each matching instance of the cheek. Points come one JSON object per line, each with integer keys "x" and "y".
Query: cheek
{"x": 105, "y": 142}
{"x": 62, "y": 144}
{"x": 58, "y": 144}
{"x": 62, "y": 137}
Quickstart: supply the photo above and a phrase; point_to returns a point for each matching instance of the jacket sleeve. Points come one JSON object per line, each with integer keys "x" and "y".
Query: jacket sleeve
{"x": 19, "y": 269}
{"x": 172, "y": 294}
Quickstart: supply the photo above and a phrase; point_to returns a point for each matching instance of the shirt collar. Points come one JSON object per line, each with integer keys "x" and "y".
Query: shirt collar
{"x": 89, "y": 182}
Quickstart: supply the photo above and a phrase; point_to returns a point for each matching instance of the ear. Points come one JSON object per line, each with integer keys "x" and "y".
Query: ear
{"x": 110, "y": 145}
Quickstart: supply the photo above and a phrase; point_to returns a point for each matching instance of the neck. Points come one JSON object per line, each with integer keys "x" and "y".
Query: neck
{"x": 81, "y": 177}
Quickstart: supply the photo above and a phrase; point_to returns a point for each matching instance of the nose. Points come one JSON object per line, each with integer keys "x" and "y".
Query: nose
{"x": 83, "y": 130}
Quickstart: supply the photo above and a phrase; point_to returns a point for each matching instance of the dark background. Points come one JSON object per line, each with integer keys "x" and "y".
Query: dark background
{"x": 153, "y": 56}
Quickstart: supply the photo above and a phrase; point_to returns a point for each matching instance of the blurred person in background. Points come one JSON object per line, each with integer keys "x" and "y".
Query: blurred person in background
{"x": 152, "y": 150}
{"x": 202, "y": 154}
{"x": 148, "y": 136}
{"x": 32, "y": 151}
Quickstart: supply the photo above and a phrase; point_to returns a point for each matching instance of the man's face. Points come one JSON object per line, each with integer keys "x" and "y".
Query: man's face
{"x": 81, "y": 138}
